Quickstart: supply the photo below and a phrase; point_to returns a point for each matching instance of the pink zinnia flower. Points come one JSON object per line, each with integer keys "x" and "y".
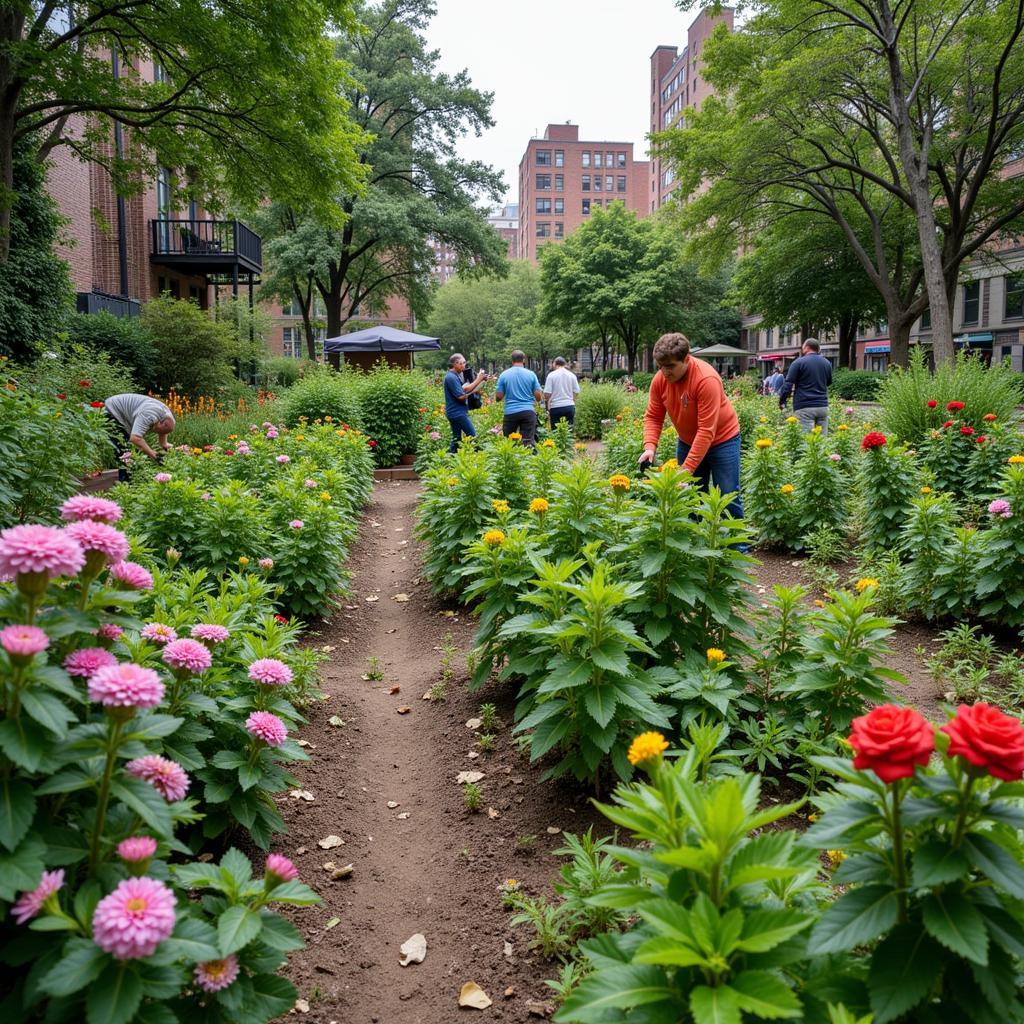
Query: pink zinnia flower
{"x": 108, "y": 631}
{"x": 187, "y": 656}
{"x": 253, "y": 428}
{"x": 88, "y": 661}
{"x": 28, "y": 904}
{"x": 158, "y": 633}
{"x": 134, "y": 919}
{"x": 267, "y": 425}
{"x": 435, "y": 436}
{"x": 271, "y": 433}
{"x": 296, "y": 524}
{"x": 209, "y": 633}
{"x": 214, "y": 975}
{"x": 136, "y": 849}
{"x": 23, "y": 641}
{"x": 270, "y": 672}
{"x": 283, "y": 459}
{"x": 107, "y": 541}
{"x": 309, "y": 483}
{"x": 44, "y": 550}
{"x": 266, "y": 564}
{"x": 205, "y": 496}
{"x": 836, "y": 457}
{"x": 162, "y": 478}
{"x": 126, "y": 686}
{"x": 1000, "y": 507}
{"x": 243, "y": 449}
{"x": 168, "y": 778}
{"x": 132, "y": 575}
{"x": 87, "y": 506}
{"x": 279, "y": 869}
{"x": 267, "y": 727}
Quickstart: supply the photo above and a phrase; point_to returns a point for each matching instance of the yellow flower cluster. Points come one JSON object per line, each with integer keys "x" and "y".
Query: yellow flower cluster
{"x": 243, "y": 560}
{"x": 864, "y": 582}
{"x": 926, "y": 490}
{"x": 668, "y": 464}
{"x": 1016, "y": 460}
{"x": 835, "y": 857}
{"x": 500, "y": 506}
{"x": 792, "y": 419}
{"x": 843, "y": 426}
{"x": 646, "y": 746}
{"x": 619, "y": 483}
{"x": 452, "y": 481}
{"x": 787, "y": 488}
{"x": 494, "y": 538}
{"x": 715, "y": 655}
{"x": 325, "y": 496}
{"x": 515, "y": 436}
{"x": 547, "y": 443}
{"x": 763, "y": 442}
{"x": 762, "y": 419}
{"x": 580, "y": 446}
{"x": 539, "y": 506}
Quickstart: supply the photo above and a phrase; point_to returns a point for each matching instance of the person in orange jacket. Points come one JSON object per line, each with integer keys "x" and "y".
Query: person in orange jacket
{"x": 691, "y": 392}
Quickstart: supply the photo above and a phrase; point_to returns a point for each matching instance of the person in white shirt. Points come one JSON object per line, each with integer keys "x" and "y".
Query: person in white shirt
{"x": 560, "y": 391}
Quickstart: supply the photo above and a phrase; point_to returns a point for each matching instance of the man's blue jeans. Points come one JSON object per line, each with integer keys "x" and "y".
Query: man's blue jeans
{"x": 720, "y": 466}
{"x": 461, "y": 426}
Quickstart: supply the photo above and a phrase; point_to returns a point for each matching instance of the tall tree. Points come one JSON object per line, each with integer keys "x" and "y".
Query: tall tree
{"x": 908, "y": 111}
{"x": 419, "y": 190}
{"x": 247, "y": 101}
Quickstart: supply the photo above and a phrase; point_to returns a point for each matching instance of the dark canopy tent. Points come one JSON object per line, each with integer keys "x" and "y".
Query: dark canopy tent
{"x": 368, "y": 346}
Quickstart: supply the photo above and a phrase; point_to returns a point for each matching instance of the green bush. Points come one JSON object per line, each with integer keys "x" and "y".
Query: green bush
{"x": 123, "y": 338}
{"x": 78, "y": 373}
{"x": 391, "y": 400}
{"x": 594, "y": 403}
{"x": 281, "y": 371}
{"x": 192, "y": 349}
{"x": 905, "y": 395}
{"x": 324, "y": 392}
{"x": 642, "y": 380}
{"x": 855, "y": 385}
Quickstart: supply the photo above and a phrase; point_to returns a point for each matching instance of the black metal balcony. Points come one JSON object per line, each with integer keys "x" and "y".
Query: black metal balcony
{"x": 221, "y": 250}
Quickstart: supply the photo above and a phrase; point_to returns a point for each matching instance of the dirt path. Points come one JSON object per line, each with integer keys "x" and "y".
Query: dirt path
{"x": 437, "y": 870}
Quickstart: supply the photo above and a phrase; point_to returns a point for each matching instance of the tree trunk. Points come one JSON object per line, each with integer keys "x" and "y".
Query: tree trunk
{"x": 7, "y": 108}
{"x": 899, "y": 340}
{"x": 847, "y": 332}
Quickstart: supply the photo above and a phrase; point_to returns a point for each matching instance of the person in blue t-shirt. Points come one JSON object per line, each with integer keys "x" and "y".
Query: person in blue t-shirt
{"x": 456, "y": 394}
{"x": 520, "y": 389}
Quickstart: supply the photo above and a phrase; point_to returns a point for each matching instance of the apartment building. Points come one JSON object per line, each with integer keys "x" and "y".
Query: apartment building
{"x": 562, "y": 179}
{"x": 506, "y": 223}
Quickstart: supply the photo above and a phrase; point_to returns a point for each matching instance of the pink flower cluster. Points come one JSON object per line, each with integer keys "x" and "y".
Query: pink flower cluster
{"x": 132, "y": 575}
{"x": 296, "y": 524}
{"x": 267, "y": 727}
{"x": 168, "y": 778}
{"x": 243, "y": 448}
{"x": 29, "y": 904}
{"x": 87, "y": 661}
{"x": 266, "y": 564}
{"x": 162, "y": 478}
{"x": 87, "y": 506}
{"x": 134, "y": 919}
{"x": 271, "y": 433}
{"x": 270, "y": 672}
{"x": 282, "y": 459}
{"x": 187, "y": 656}
{"x": 215, "y": 975}
{"x": 158, "y": 633}
{"x": 1001, "y": 508}
{"x": 108, "y": 631}
{"x": 210, "y": 633}
{"x": 126, "y": 686}
{"x": 279, "y": 869}
{"x": 309, "y": 483}
{"x": 111, "y": 543}
{"x": 39, "y": 549}
{"x": 136, "y": 849}
{"x": 23, "y": 641}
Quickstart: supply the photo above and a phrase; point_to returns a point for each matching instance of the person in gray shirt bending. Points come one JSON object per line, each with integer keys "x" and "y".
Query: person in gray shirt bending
{"x": 809, "y": 379}
{"x": 135, "y": 416}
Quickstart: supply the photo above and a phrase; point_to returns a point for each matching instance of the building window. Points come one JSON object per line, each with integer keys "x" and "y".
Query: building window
{"x": 598, "y": 203}
{"x": 1014, "y": 296}
{"x": 597, "y": 158}
{"x": 882, "y": 327}
{"x": 543, "y": 157}
{"x": 585, "y": 183}
{"x": 586, "y": 207}
{"x": 620, "y": 159}
{"x": 620, "y": 183}
{"x": 769, "y": 337}
{"x": 559, "y": 229}
{"x": 159, "y": 72}
{"x": 972, "y": 302}
{"x": 291, "y": 342}
{"x": 543, "y": 182}
{"x": 609, "y": 182}
{"x": 543, "y": 205}
{"x": 544, "y": 229}
{"x": 586, "y": 157}
{"x": 559, "y": 157}
{"x": 597, "y": 182}
{"x": 559, "y": 182}
{"x": 559, "y": 206}
{"x": 926, "y": 320}
{"x": 608, "y": 158}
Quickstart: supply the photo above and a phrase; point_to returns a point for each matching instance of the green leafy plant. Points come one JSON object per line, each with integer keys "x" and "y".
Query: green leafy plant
{"x": 390, "y": 400}
{"x": 472, "y": 796}
{"x": 323, "y": 393}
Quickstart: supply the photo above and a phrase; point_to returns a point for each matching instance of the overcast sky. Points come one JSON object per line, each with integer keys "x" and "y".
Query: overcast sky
{"x": 585, "y": 61}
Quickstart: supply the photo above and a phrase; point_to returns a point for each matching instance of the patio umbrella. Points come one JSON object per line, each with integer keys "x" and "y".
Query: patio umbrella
{"x": 720, "y": 352}
{"x": 381, "y": 339}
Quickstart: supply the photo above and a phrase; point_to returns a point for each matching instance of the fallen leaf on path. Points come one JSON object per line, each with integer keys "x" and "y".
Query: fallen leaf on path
{"x": 301, "y": 794}
{"x": 404, "y": 709}
{"x": 399, "y": 529}
{"x": 394, "y": 690}
{"x": 327, "y": 648}
{"x": 373, "y": 597}
{"x": 426, "y": 696}
{"x": 403, "y": 815}
{"x": 391, "y": 631}
{"x": 413, "y": 950}
{"x": 304, "y": 743}
{"x": 330, "y": 842}
{"x": 553, "y": 831}
{"x": 336, "y": 721}
{"x": 342, "y": 872}
{"x": 401, "y": 598}
{"x": 392, "y": 804}
{"x": 333, "y": 923}
{"x": 507, "y": 949}
{"x": 493, "y": 813}
{"x": 510, "y": 991}
{"x": 539, "y": 1009}
{"x": 448, "y": 614}
{"x": 473, "y": 755}
{"x": 474, "y": 723}
{"x": 301, "y": 1005}
{"x": 473, "y": 996}
{"x": 464, "y": 777}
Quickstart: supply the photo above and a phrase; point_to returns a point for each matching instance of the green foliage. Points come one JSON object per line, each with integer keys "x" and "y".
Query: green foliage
{"x": 820, "y": 488}
{"x": 888, "y": 482}
{"x": 594, "y": 403}
{"x": 925, "y": 537}
{"x": 390, "y": 400}
{"x": 1000, "y": 569}
{"x": 283, "y": 371}
{"x": 122, "y": 338}
{"x": 642, "y": 380}
{"x": 192, "y": 350}
{"x": 771, "y": 510}
{"x": 78, "y": 373}
{"x": 322, "y": 393}
{"x": 855, "y": 385}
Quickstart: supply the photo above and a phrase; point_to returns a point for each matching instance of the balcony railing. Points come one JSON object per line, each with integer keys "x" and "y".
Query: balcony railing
{"x": 212, "y": 244}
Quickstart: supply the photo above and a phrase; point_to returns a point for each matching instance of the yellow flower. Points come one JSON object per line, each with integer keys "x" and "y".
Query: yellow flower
{"x": 547, "y": 443}
{"x": 926, "y": 490}
{"x": 303, "y": 419}
{"x": 539, "y": 506}
{"x": 792, "y": 419}
{"x": 515, "y": 436}
{"x": 1016, "y": 460}
{"x": 864, "y": 582}
{"x": 325, "y": 496}
{"x": 452, "y": 481}
{"x": 715, "y": 656}
{"x": 300, "y": 437}
{"x": 500, "y": 506}
{"x": 619, "y": 483}
{"x": 494, "y": 538}
{"x": 842, "y": 426}
{"x": 646, "y": 746}
{"x": 763, "y": 442}
{"x": 340, "y": 433}
{"x": 511, "y": 883}
{"x": 812, "y": 818}
{"x": 819, "y": 603}
{"x": 232, "y": 437}
{"x": 787, "y": 488}
{"x": 669, "y": 464}
{"x": 835, "y": 857}
{"x": 328, "y": 419}
{"x": 197, "y": 451}
{"x": 762, "y": 419}
{"x": 243, "y": 560}
{"x": 580, "y": 446}
{"x": 816, "y": 430}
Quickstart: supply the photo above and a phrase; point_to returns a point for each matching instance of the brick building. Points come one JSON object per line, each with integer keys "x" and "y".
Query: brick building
{"x": 561, "y": 179}
{"x": 506, "y": 223}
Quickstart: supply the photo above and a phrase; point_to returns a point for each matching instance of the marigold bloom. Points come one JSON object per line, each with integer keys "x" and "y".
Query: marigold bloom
{"x": 29, "y": 904}
{"x": 646, "y": 746}
{"x": 818, "y": 603}
{"x": 167, "y": 777}
{"x": 88, "y": 661}
{"x": 715, "y": 655}
{"x": 452, "y": 481}
{"x": 547, "y": 443}
{"x": 33, "y": 549}
{"x": 325, "y": 495}
{"x": 864, "y": 582}
{"x": 835, "y": 857}
{"x": 87, "y": 506}
{"x": 267, "y": 727}
{"x": 500, "y": 506}
{"x": 158, "y": 633}
{"x": 792, "y": 419}
{"x": 669, "y": 464}
{"x": 215, "y": 975}
{"x": 515, "y": 436}
{"x": 134, "y": 919}
{"x": 279, "y": 869}
{"x": 843, "y": 426}
{"x": 926, "y": 490}
{"x": 763, "y": 442}
{"x": 243, "y": 561}
{"x": 619, "y": 483}
{"x": 187, "y": 656}
{"x": 126, "y": 686}
{"x": 23, "y": 641}
{"x": 1016, "y": 460}
{"x": 787, "y": 488}
{"x": 494, "y": 538}
{"x": 270, "y": 672}
{"x": 132, "y": 575}
{"x": 539, "y": 506}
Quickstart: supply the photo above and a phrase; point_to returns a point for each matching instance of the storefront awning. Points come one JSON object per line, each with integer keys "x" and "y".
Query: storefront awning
{"x": 973, "y": 340}
{"x": 770, "y": 357}
{"x": 875, "y": 349}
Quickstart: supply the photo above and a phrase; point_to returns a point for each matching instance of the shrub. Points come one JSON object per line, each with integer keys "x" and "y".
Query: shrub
{"x": 594, "y": 403}
{"x": 390, "y": 400}
{"x": 855, "y": 385}
{"x": 321, "y": 393}
{"x": 905, "y": 395}
{"x": 123, "y": 338}
{"x": 192, "y": 349}
{"x": 282, "y": 371}
{"x": 80, "y": 374}
{"x": 642, "y": 380}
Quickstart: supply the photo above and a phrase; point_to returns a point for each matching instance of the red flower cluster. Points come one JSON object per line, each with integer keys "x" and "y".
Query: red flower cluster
{"x": 948, "y": 423}
{"x": 873, "y": 440}
{"x": 890, "y": 741}
{"x": 990, "y": 417}
{"x": 281, "y": 619}
{"x": 985, "y": 737}
{"x": 980, "y": 439}
{"x": 372, "y": 443}
{"x": 96, "y": 405}
{"x": 932, "y": 403}
{"x": 955, "y": 406}
{"x": 62, "y": 397}
{"x": 967, "y": 431}
{"x": 85, "y": 383}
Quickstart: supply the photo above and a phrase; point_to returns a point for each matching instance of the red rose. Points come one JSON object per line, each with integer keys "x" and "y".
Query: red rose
{"x": 967, "y": 431}
{"x": 955, "y": 406}
{"x": 890, "y": 741}
{"x": 985, "y": 737}
{"x": 281, "y": 619}
{"x": 96, "y": 405}
{"x": 85, "y": 384}
{"x": 980, "y": 439}
{"x": 873, "y": 440}
{"x": 932, "y": 403}
{"x": 372, "y": 443}
{"x": 948, "y": 423}
{"x": 62, "y": 397}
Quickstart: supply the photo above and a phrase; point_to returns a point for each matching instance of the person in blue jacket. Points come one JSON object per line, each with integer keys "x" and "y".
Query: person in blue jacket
{"x": 809, "y": 379}
{"x": 456, "y": 395}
